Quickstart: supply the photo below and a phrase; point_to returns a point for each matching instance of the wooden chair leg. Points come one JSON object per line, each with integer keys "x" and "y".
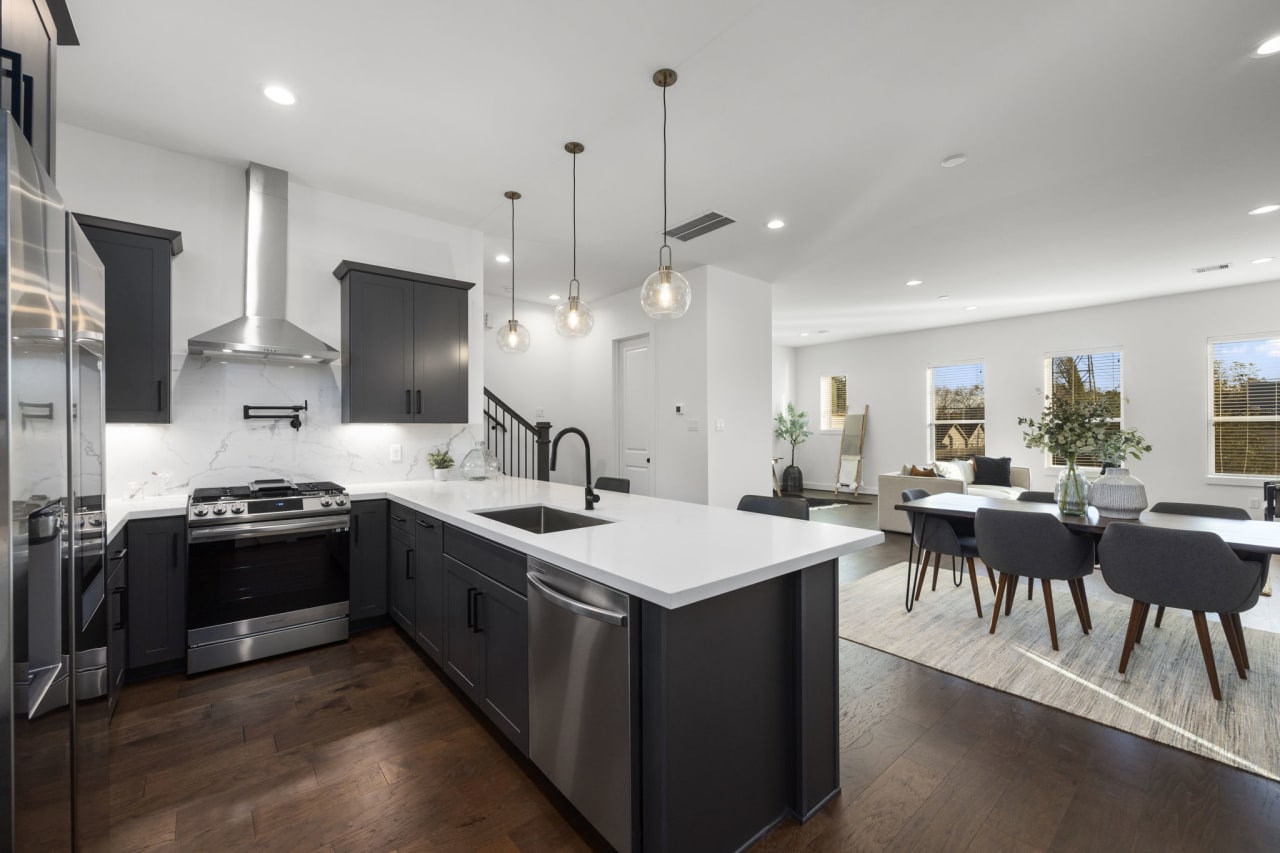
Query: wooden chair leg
{"x": 1135, "y": 616}
{"x": 924, "y": 569}
{"x": 937, "y": 561}
{"x": 991, "y": 576}
{"x": 973, "y": 581}
{"x": 1075, "y": 599}
{"x": 1084, "y": 600}
{"x": 1031, "y": 586}
{"x": 1142, "y": 626}
{"x": 1012, "y": 590}
{"x": 1234, "y": 644}
{"x": 1159, "y": 615}
{"x": 1048, "y": 609}
{"x": 1202, "y": 631}
{"x": 1244, "y": 650}
{"x": 1000, "y": 591}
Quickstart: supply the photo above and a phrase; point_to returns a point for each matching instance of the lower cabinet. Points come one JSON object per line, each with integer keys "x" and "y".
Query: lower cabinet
{"x": 429, "y": 577}
{"x": 156, "y": 597}
{"x": 117, "y": 616}
{"x": 368, "y": 593}
{"x": 402, "y": 595}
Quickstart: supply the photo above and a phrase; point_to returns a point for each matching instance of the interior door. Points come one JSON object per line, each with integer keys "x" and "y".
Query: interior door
{"x": 633, "y": 391}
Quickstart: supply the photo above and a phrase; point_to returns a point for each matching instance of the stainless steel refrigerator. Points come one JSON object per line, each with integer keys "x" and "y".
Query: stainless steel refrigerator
{"x": 53, "y": 707}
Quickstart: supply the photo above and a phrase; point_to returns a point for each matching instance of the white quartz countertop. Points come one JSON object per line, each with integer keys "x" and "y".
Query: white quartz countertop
{"x": 668, "y": 552}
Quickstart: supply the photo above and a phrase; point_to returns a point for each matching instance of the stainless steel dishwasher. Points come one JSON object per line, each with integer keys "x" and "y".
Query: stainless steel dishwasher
{"x": 580, "y": 695}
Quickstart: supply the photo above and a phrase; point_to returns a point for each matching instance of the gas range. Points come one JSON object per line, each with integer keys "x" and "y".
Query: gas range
{"x": 265, "y": 500}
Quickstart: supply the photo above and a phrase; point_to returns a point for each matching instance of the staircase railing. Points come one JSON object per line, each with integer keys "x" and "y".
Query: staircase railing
{"x": 522, "y": 447}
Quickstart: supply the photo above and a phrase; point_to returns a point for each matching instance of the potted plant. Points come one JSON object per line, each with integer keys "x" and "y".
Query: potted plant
{"x": 1068, "y": 427}
{"x": 792, "y": 427}
{"x": 1117, "y": 493}
{"x": 440, "y": 462}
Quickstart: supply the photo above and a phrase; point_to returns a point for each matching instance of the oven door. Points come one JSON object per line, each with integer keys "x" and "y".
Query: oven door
{"x": 244, "y": 579}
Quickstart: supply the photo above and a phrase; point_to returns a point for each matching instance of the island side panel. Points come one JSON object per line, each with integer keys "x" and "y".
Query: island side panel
{"x": 726, "y": 684}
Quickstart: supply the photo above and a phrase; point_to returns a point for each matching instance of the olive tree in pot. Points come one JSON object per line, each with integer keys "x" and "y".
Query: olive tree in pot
{"x": 793, "y": 428}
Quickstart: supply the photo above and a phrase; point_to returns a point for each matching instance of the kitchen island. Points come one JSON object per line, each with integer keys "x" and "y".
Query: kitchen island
{"x": 732, "y": 646}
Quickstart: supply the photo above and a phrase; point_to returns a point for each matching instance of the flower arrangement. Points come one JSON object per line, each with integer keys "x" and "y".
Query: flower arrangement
{"x": 792, "y": 427}
{"x": 1118, "y": 446}
{"x": 1068, "y": 427}
{"x": 440, "y": 459}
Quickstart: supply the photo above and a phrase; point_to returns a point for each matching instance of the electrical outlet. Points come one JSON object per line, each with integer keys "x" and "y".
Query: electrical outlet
{"x": 679, "y": 409}
{"x": 395, "y": 453}
{"x": 719, "y": 424}
{"x": 693, "y": 425}
{"x": 1255, "y": 503}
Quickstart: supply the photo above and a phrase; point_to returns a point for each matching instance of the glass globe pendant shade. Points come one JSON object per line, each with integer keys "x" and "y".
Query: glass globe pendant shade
{"x": 665, "y": 294}
{"x": 513, "y": 337}
{"x": 574, "y": 318}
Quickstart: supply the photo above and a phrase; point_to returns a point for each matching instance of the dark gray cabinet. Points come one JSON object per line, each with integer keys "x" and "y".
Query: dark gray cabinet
{"x": 156, "y": 598}
{"x": 368, "y": 560}
{"x": 486, "y": 617}
{"x": 137, "y": 263}
{"x": 401, "y": 589}
{"x": 117, "y": 616}
{"x": 429, "y": 589}
{"x": 404, "y": 346}
{"x": 28, "y": 35}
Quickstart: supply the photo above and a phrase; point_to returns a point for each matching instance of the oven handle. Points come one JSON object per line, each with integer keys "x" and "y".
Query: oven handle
{"x": 269, "y": 528}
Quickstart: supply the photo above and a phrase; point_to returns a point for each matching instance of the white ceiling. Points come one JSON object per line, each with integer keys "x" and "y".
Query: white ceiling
{"x": 1112, "y": 145}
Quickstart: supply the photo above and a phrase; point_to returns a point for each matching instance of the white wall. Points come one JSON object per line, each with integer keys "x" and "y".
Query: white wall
{"x": 784, "y": 376}
{"x": 1165, "y": 363}
{"x": 209, "y": 442}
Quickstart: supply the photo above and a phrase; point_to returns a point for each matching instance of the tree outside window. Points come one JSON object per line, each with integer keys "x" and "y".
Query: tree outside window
{"x": 958, "y": 405}
{"x": 1091, "y": 376}
{"x": 1245, "y": 407}
{"x": 834, "y": 397}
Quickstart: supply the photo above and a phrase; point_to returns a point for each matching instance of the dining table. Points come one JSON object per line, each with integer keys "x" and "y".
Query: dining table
{"x": 1257, "y": 537}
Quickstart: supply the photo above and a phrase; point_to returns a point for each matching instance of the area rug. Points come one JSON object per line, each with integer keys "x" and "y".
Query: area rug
{"x": 1164, "y": 696}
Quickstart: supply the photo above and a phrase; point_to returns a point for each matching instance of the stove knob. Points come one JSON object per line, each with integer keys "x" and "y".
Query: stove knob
{"x": 340, "y": 500}
{"x": 219, "y": 510}
{"x": 200, "y": 511}
{"x": 326, "y": 502}
{"x": 238, "y": 508}
{"x": 95, "y": 522}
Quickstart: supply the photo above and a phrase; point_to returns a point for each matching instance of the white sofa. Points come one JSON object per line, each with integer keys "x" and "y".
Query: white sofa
{"x": 891, "y": 487}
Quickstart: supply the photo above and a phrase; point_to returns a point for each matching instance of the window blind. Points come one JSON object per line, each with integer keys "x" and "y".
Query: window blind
{"x": 834, "y": 402}
{"x": 1095, "y": 376}
{"x": 958, "y": 409}
{"x": 1245, "y": 426}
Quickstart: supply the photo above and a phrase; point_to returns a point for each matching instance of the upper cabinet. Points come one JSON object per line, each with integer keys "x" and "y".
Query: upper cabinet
{"x": 404, "y": 346}
{"x": 29, "y": 32}
{"x": 136, "y": 259}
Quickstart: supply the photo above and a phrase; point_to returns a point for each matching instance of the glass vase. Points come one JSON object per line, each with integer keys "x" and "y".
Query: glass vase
{"x": 480, "y": 464}
{"x": 1072, "y": 490}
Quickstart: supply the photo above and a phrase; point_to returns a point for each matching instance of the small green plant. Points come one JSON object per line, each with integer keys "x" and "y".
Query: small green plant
{"x": 440, "y": 458}
{"x": 1119, "y": 446}
{"x": 792, "y": 427}
{"x": 1067, "y": 427}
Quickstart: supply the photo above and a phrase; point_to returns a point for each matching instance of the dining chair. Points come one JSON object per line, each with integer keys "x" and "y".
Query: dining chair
{"x": 1037, "y": 497}
{"x": 1186, "y": 569}
{"x": 766, "y": 505}
{"x": 936, "y": 536}
{"x": 1206, "y": 511}
{"x": 614, "y": 484}
{"x": 1034, "y": 545}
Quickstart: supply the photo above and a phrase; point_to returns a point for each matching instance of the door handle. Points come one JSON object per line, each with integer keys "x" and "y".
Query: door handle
{"x": 419, "y": 402}
{"x": 408, "y": 564}
{"x": 476, "y": 618}
{"x": 408, "y": 401}
{"x": 124, "y": 608}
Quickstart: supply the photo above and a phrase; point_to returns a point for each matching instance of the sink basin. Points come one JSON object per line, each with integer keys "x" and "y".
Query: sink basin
{"x": 539, "y": 518}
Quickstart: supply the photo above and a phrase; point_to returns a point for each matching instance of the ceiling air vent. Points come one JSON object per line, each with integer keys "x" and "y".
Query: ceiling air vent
{"x": 704, "y": 224}
{"x": 1214, "y": 268}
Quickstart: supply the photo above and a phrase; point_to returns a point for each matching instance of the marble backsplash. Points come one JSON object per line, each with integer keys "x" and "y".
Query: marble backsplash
{"x": 209, "y": 443}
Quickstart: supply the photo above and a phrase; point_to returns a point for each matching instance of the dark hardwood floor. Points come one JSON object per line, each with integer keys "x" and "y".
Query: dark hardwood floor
{"x": 364, "y": 747}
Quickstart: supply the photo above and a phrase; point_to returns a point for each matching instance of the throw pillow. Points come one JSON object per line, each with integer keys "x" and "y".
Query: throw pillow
{"x": 923, "y": 472}
{"x": 949, "y": 470}
{"x": 966, "y": 470}
{"x": 991, "y": 472}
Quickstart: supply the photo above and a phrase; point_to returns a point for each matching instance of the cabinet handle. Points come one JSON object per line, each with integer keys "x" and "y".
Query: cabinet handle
{"x": 419, "y": 402}
{"x": 471, "y": 613}
{"x": 476, "y": 618}
{"x": 395, "y": 517}
{"x": 124, "y": 608}
{"x": 159, "y": 395}
{"x": 408, "y": 402}
{"x": 422, "y": 523}
{"x": 119, "y": 555}
{"x": 408, "y": 564}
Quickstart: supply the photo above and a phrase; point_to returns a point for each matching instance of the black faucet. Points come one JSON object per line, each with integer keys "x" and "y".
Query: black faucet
{"x": 592, "y": 497}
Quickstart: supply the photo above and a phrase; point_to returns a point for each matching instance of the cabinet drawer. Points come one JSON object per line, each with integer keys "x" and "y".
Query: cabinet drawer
{"x": 505, "y": 566}
{"x": 400, "y": 518}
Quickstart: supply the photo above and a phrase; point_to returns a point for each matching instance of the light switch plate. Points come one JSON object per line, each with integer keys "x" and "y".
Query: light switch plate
{"x": 395, "y": 453}
{"x": 719, "y": 424}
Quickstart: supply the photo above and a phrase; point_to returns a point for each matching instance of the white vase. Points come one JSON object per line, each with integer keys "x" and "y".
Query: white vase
{"x": 1118, "y": 494}
{"x": 440, "y": 473}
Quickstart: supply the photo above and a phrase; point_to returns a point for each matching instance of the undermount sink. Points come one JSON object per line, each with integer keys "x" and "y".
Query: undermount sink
{"x": 539, "y": 518}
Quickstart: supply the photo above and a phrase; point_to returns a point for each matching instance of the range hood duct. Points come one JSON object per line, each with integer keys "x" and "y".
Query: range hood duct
{"x": 263, "y": 332}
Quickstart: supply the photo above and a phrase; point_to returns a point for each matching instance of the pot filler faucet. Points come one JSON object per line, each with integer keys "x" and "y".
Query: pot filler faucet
{"x": 592, "y": 497}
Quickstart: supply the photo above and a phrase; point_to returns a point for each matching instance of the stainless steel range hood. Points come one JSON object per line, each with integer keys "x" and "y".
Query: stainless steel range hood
{"x": 263, "y": 332}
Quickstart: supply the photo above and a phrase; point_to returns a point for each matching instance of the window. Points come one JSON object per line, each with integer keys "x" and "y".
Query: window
{"x": 1091, "y": 376}
{"x": 835, "y": 402}
{"x": 959, "y": 409}
{"x": 1245, "y": 409}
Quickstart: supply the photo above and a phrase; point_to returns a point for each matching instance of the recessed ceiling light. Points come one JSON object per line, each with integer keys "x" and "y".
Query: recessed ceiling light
{"x": 555, "y": 297}
{"x": 944, "y": 297}
{"x": 954, "y": 160}
{"x": 502, "y": 258}
{"x": 226, "y": 350}
{"x": 1263, "y": 260}
{"x": 971, "y": 307}
{"x": 821, "y": 331}
{"x": 1268, "y": 47}
{"x": 1266, "y": 208}
{"x": 802, "y": 334}
{"x": 775, "y": 224}
{"x": 914, "y": 282}
{"x": 280, "y": 95}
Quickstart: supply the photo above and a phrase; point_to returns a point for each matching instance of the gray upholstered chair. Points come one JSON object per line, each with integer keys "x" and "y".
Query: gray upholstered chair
{"x": 1037, "y": 497}
{"x": 936, "y": 536}
{"x": 1034, "y": 545}
{"x": 1234, "y": 513}
{"x": 614, "y": 484}
{"x": 1187, "y": 569}
{"x": 785, "y": 507}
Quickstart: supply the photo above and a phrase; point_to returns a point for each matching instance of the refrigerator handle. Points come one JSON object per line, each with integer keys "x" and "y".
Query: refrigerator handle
{"x": 48, "y": 667}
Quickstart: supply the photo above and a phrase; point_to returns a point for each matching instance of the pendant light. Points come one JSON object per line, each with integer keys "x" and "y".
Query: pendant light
{"x": 513, "y": 337}
{"x": 574, "y": 318}
{"x": 666, "y": 293}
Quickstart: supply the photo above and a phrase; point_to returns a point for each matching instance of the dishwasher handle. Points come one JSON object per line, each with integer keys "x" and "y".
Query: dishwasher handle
{"x": 599, "y": 614}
